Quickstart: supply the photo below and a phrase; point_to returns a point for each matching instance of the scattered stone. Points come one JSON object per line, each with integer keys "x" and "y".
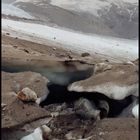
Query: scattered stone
{"x": 54, "y": 114}
{"x": 3, "y": 109}
{"x": 15, "y": 46}
{"x": 101, "y": 133}
{"x": 25, "y": 50}
{"x": 85, "y": 54}
{"x": 103, "y": 106}
{"x": 73, "y": 128}
{"x": 54, "y": 49}
{"x": 26, "y": 94}
{"x": 7, "y": 33}
{"x": 70, "y": 57}
{"x": 27, "y": 114}
{"x": 86, "y": 109}
{"x": 3, "y": 105}
{"x": 106, "y": 60}
{"x": 17, "y": 81}
{"x": 59, "y": 109}
{"x": 62, "y": 55}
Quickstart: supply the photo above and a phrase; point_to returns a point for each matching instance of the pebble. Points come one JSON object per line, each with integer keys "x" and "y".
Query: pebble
{"x": 3, "y": 105}
{"x": 85, "y": 54}
{"x": 26, "y": 94}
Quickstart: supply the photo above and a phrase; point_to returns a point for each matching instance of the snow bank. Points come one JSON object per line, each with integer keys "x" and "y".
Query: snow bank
{"x": 107, "y": 47}
{"x": 9, "y": 9}
{"x": 110, "y": 90}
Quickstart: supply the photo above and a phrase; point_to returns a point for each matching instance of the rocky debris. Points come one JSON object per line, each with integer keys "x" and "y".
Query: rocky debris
{"x": 18, "y": 113}
{"x": 25, "y": 50}
{"x": 18, "y": 81}
{"x": 103, "y": 106}
{"x": 7, "y": 33}
{"x": 87, "y": 110}
{"x": 54, "y": 49}
{"x": 58, "y": 109}
{"x": 15, "y": 46}
{"x": 26, "y": 94}
{"x": 117, "y": 82}
{"x": 3, "y": 105}
{"x": 70, "y": 127}
{"x": 10, "y": 50}
{"x": 85, "y": 54}
{"x": 45, "y": 51}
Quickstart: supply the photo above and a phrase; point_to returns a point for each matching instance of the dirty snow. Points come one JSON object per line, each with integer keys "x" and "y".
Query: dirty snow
{"x": 9, "y": 9}
{"x": 107, "y": 47}
{"x": 110, "y": 90}
{"x": 135, "y": 111}
{"x": 36, "y": 135}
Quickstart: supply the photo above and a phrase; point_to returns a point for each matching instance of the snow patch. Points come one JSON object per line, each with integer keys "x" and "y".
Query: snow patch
{"x": 135, "y": 111}
{"x": 36, "y": 135}
{"x": 9, "y": 9}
